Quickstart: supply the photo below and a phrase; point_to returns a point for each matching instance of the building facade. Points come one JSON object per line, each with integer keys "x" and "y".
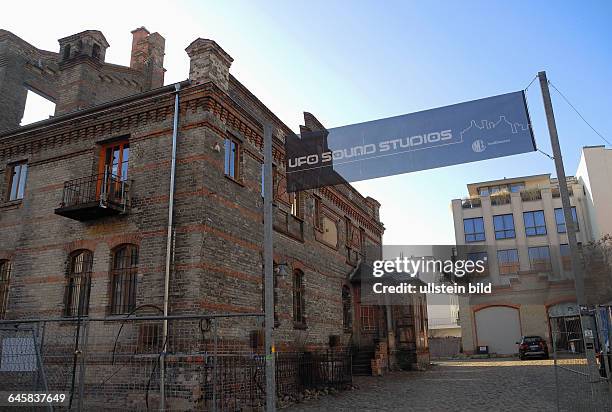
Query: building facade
{"x": 85, "y": 201}
{"x": 595, "y": 174}
{"x": 520, "y": 227}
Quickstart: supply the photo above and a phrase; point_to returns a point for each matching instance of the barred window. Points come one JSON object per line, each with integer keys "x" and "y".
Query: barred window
{"x": 5, "y": 277}
{"x": 347, "y": 309}
{"x": 123, "y": 279}
{"x": 78, "y": 284}
{"x": 368, "y": 319}
{"x": 298, "y": 298}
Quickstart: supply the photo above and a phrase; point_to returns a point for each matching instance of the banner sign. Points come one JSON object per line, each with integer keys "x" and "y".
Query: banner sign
{"x": 461, "y": 133}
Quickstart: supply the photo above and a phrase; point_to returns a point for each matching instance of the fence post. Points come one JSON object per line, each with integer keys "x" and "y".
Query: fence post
{"x": 215, "y": 365}
{"x": 82, "y": 365}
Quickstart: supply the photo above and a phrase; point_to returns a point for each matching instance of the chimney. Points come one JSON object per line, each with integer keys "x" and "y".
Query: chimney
{"x": 148, "y": 57}
{"x": 208, "y": 62}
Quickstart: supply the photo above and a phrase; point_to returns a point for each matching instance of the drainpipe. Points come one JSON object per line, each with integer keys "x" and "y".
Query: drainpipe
{"x": 169, "y": 242}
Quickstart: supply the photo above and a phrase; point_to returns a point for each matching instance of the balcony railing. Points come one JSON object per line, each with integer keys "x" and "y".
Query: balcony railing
{"x": 556, "y": 193}
{"x": 500, "y": 199}
{"x": 531, "y": 194}
{"x": 471, "y": 203}
{"x": 288, "y": 224}
{"x": 94, "y": 196}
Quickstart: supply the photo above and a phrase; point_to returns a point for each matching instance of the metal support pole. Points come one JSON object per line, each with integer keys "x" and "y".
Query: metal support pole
{"x": 585, "y": 321}
{"x": 269, "y": 270}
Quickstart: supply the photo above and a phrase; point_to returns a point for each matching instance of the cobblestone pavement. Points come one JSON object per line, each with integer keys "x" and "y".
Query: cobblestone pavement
{"x": 472, "y": 385}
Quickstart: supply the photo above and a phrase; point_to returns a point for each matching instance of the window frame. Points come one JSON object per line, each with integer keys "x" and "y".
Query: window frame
{"x": 539, "y": 264}
{"x": 507, "y": 266}
{"x": 559, "y": 224}
{"x": 236, "y": 146}
{"x": 5, "y": 284}
{"x": 504, "y": 232}
{"x": 22, "y": 179}
{"x": 474, "y": 233}
{"x": 566, "y": 258}
{"x": 536, "y": 227}
{"x": 347, "y": 309}
{"x": 122, "y": 271}
{"x": 84, "y": 289}
{"x": 299, "y": 301}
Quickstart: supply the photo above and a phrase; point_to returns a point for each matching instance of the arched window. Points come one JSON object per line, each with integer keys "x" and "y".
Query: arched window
{"x": 78, "y": 284}
{"x": 299, "y": 315}
{"x": 347, "y": 309}
{"x": 5, "y": 277}
{"x": 124, "y": 267}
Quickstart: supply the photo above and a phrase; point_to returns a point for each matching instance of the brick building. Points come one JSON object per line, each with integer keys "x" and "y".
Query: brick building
{"x": 85, "y": 199}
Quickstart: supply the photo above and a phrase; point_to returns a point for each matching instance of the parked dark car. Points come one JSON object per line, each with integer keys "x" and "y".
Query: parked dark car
{"x": 532, "y": 346}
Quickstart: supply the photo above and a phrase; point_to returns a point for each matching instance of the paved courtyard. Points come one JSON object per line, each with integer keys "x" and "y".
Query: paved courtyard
{"x": 472, "y": 385}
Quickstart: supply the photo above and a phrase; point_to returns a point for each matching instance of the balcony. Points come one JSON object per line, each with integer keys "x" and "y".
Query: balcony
{"x": 288, "y": 224}
{"x": 556, "y": 193}
{"x": 500, "y": 198}
{"x": 93, "y": 197}
{"x": 531, "y": 195}
{"x": 471, "y": 203}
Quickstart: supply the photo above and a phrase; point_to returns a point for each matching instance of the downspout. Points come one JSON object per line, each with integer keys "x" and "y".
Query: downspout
{"x": 169, "y": 243}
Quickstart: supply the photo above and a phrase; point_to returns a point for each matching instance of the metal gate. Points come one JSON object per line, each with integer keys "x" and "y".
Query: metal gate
{"x": 582, "y": 385}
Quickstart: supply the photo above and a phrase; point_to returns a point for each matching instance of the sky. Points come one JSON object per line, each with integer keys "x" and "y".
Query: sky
{"x": 352, "y": 61}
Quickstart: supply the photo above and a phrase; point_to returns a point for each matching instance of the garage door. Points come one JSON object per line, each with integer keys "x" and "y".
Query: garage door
{"x": 499, "y": 328}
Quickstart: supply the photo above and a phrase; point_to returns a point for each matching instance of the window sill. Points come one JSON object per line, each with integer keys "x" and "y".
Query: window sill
{"x": 299, "y": 326}
{"x": 238, "y": 182}
{"x": 11, "y": 204}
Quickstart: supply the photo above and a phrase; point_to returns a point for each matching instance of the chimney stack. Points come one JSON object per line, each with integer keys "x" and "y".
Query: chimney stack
{"x": 148, "y": 57}
{"x": 208, "y": 62}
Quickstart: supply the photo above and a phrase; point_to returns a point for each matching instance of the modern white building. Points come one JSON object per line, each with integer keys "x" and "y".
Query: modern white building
{"x": 595, "y": 174}
{"x": 519, "y": 224}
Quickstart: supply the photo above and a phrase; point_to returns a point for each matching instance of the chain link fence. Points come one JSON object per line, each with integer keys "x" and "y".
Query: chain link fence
{"x": 174, "y": 363}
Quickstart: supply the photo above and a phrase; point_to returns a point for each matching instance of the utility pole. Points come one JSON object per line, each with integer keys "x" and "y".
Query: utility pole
{"x": 586, "y": 321}
{"x": 269, "y": 270}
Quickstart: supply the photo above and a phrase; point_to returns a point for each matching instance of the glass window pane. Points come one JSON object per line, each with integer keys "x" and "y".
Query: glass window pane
{"x": 22, "y": 180}
{"x": 478, "y": 225}
{"x": 14, "y": 182}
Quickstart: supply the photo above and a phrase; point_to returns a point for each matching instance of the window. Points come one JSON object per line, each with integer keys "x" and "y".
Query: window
{"x": 95, "y": 51}
{"x": 78, "y": 284}
{"x": 299, "y": 316}
{"x": 535, "y": 223}
{"x": 297, "y": 205}
{"x": 232, "y": 159}
{"x": 483, "y": 191}
{"x": 368, "y": 319}
{"x": 123, "y": 279}
{"x": 318, "y": 222}
{"x": 508, "y": 261}
{"x": 5, "y": 277}
{"x": 566, "y": 258}
{"x": 516, "y": 187}
{"x": 480, "y": 256}
{"x": 539, "y": 258}
{"x": 504, "y": 226}
{"x": 347, "y": 309}
{"x": 66, "y": 52}
{"x": 17, "y": 181}
{"x": 560, "y": 219}
{"x": 474, "y": 229}
{"x": 114, "y": 159}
